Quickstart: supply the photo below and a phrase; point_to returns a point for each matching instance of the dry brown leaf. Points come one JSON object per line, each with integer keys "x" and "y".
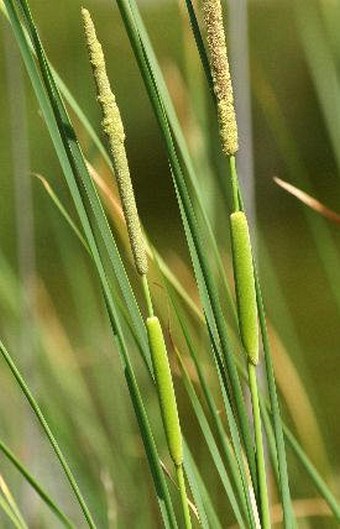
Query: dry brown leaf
{"x": 311, "y": 202}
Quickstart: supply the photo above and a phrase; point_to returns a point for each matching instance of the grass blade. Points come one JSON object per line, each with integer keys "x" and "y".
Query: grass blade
{"x": 317, "y": 480}
{"x": 212, "y": 445}
{"x": 10, "y": 502}
{"x": 40, "y": 417}
{"x": 207, "y": 514}
{"x": 9, "y": 512}
{"x": 34, "y": 484}
{"x": 200, "y": 44}
{"x": 288, "y": 516}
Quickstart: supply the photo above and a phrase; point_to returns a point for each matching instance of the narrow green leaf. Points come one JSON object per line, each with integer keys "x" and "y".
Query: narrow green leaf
{"x": 215, "y": 454}
{"x": 317, "y": 480}
{"x": 206, "y": 511}
{"x": 34, "y": 484}
{"x": 288, "y": 515}
{"x": 63, "y": 211}
{"x": 200, "y": 44}
{"x": 11, "y": 503}
{"x": 40, "y": 417}
{"x": 9, "y": 512}
{"x": 190, "y": 172}
{"x": 225, "y": 444}
{"x": 237, "y": 467}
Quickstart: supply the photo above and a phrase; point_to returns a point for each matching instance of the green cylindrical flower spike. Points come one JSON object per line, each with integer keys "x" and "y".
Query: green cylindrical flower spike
{"x": 245, "y": 284}
{"x": 114, "y": 131}
{"x": 165, "y": 389}
{"x": 213, "y": 20}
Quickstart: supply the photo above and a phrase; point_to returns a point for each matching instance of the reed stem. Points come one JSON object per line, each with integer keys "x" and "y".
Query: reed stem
{"x": 234, "y": 183}
{"x": 260, "y": 459}
{"x": 183, "y": 493}
{"x": 147, "y": 295}
{"x": 253, "y": 386}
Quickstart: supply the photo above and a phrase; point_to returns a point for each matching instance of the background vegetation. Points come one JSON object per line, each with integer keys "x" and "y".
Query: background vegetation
{"x": 52, "y": 315}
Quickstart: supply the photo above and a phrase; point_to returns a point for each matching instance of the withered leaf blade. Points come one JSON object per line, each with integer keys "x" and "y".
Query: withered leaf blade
{"x": 309, "y": 201}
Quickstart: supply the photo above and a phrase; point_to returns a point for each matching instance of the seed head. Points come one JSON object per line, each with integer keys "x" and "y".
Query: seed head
{"x": 213, "y": 20}
{"x": 113, "y": 128}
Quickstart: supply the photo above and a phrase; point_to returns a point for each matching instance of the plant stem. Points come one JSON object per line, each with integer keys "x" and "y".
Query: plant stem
{"x": 288, "y": 514}
{"x": 260, "y": 461}
{"x": 147, "y": 295}
{"x": 184, "y": 499}
{"x": 234, "y": 183}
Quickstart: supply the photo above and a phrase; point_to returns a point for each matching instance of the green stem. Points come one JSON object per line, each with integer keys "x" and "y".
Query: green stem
{"x": 288, "y": 514}
{"x": 260, "y": 461}
{"x": 147, "y": 295}
{"x": 183, "y": 493}
{"x": 234, "y": 183}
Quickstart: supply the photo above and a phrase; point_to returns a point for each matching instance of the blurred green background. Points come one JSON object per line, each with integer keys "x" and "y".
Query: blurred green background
{"x": 294, "y": 66}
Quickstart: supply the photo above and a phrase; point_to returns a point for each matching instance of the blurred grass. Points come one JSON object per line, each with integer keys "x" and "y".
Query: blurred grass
{"x": 70, "y": 312}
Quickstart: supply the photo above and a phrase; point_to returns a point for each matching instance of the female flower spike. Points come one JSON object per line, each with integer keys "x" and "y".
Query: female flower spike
{"x": 245, "y": 285}
{"x": 165, "y": 390}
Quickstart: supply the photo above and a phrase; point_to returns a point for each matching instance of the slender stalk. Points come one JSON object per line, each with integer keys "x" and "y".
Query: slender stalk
{"x": 247, "y": 309}
{"x": 234, "y": 183}
{"x": 288, "y": 515}
{"x": 260, "y": 459}
{"x": 183, "y": 493}
{"x": 11, "y": 504}
{"x": 147, "y": 295}
{"x": 114, "y": 130}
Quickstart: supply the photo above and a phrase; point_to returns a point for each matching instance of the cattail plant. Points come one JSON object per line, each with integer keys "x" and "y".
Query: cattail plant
{"x": 114, "y": 130}
{"x": 241, "y": 245}
{"x": 223, "y": 448}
